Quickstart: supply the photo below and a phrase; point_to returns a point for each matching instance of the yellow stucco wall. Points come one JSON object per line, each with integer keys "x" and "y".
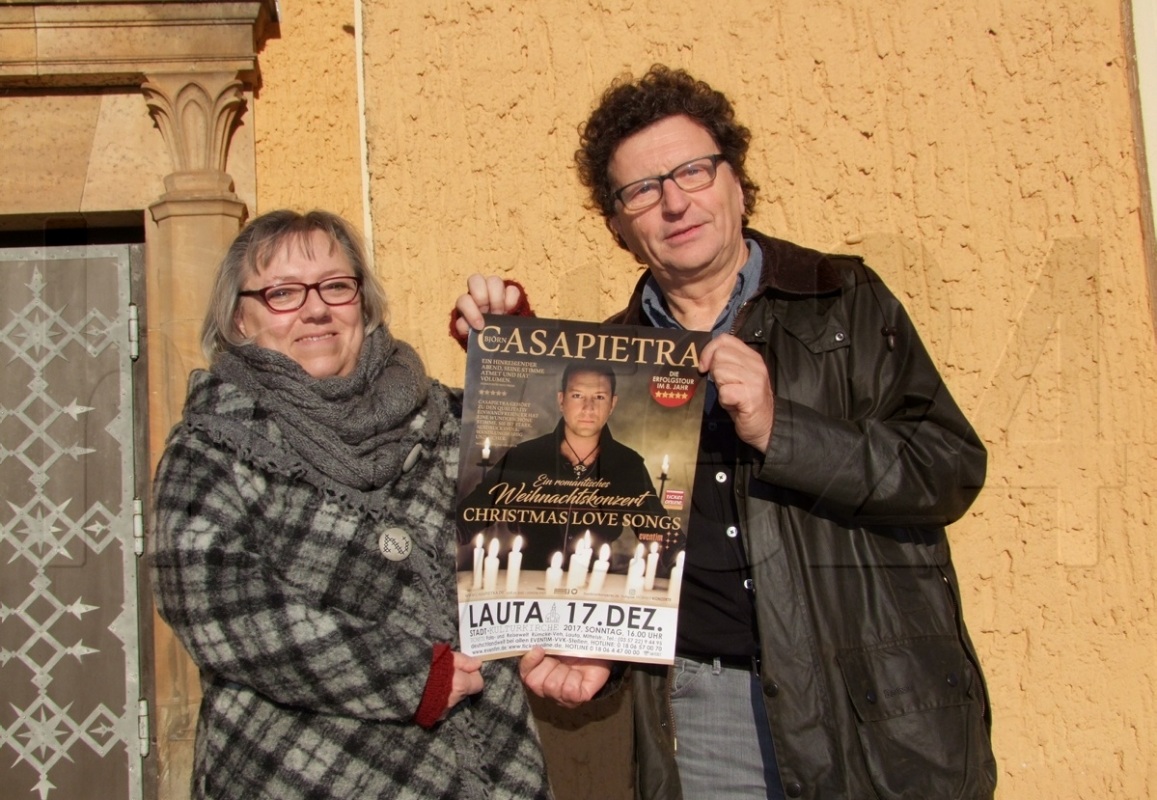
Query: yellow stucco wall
{"x": 979, "y": 154}
{"x": 305, "y": 112}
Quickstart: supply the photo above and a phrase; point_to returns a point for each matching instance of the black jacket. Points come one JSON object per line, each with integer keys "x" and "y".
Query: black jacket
{"x": 870, "y": 681}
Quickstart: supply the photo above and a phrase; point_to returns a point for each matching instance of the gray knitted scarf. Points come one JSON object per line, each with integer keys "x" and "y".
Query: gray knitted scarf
{"x": 356, "y": 430}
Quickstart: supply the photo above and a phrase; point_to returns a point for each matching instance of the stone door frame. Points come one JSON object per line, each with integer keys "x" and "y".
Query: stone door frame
{"x": 191, "y": 63}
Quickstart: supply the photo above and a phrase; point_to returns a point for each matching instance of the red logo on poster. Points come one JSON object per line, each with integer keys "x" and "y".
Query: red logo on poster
{"x": 673, "y": 390}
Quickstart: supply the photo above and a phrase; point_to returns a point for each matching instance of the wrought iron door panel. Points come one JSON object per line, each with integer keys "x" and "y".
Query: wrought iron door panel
{"x": 69, "y": 666}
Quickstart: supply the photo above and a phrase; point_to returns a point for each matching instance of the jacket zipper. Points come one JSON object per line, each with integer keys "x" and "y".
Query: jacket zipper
{"x": 739, "y": 314}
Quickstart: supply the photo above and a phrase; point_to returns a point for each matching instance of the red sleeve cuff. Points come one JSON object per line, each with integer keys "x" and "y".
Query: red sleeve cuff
{"x": 523, "y": 309}
{"x": 438, "y": 685}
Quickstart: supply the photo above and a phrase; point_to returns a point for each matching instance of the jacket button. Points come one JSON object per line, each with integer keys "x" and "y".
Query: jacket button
{"x": 771, "y": 689}
{"x": 870, "y": 696}
{"x": 721, "y": 477}
{"x": 749, "y": 584}
{"x": 952, "y": 679}
{"x": 840, "y": 336}
{"x": 732, "y": 531}
{"x": 793, "y": 789}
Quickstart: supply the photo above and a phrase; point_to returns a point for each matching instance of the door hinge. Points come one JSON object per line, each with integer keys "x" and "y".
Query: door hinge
{"x": 134, "y": 332}
{"x": 143, "y": 727}
{"x": 138, "y": 527}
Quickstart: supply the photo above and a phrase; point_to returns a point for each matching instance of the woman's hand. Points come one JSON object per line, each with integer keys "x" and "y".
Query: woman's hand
{"x": 484, "y": 295}
{"x": 467, "y": 679}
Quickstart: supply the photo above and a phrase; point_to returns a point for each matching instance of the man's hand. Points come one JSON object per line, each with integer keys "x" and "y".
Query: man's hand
{"x": 484, "y": 295}
{"x": 744, "y": 387}
{"x": 467, "y": 679}
{"x": 569, "y": 681}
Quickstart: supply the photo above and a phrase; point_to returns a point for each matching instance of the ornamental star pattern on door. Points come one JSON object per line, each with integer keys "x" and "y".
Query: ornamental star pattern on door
{"x": 68, "y": 613}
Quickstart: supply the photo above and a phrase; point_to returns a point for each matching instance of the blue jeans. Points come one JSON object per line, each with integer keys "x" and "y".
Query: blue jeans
{"x": 723, "y": 742}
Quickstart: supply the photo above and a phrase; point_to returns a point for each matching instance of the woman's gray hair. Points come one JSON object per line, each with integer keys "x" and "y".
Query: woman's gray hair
{"x": 253, "y": 249}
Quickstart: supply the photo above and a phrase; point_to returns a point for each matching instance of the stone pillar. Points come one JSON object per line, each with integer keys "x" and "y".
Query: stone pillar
{"x": 191, "y": 225}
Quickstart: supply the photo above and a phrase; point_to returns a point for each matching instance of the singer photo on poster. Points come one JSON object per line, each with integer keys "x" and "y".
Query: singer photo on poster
{"x": 578, "y": 452}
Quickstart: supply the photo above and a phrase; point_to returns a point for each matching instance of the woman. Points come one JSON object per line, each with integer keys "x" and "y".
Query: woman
{"x": 304, "y": 546}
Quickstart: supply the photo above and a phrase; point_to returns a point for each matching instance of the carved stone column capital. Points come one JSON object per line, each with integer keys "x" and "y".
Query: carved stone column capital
{"x": 197, "y": 114}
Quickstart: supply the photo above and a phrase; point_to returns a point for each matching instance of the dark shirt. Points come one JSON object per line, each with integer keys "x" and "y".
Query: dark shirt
{"x": 716, "y": 615}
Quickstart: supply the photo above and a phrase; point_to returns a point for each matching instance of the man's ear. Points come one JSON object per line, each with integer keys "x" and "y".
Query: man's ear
{"x": 614, "y": 402}
{"x": 614, "y": 227}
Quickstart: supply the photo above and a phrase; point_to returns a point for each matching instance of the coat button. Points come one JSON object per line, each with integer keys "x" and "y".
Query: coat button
{"x": 732, "y": 531}
{"x": 749, "y": 584}
{"x": 870, "y": 696}
{"x": 412, "y": 458}
{"x": 721, "y": 477}
{"x": 793, "y": 789}
{"x": 771, "y": 689}
{"x": 840, "y": 336}
{"x": 952, "y": 679}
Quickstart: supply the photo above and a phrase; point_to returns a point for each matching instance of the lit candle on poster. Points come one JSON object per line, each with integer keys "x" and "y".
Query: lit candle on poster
{"x": 513, "y": 565}
{"x": 490, "y": 568}
{"x": 486, "y": 449}
{"x": 554, "y": 573}
{"x": 479, "y": 554}
{"x": 676, "y": 579}
{"x": 599, "y": 571}
{"x": 576, "y": 576}
{"x": 666, "y": 466}
{"x": 635, "y": 571}
{"x": 652, "y": 567}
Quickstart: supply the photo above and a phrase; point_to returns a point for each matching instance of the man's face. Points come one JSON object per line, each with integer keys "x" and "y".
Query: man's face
{"x": 687, "y": 236}
{"x": 587, "y": 403}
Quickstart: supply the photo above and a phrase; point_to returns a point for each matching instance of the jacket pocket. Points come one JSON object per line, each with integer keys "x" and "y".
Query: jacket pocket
{"x": 920, "y": 719}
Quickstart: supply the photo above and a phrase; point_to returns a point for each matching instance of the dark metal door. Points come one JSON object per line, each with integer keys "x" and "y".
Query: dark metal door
{"x": 72, "y": 710}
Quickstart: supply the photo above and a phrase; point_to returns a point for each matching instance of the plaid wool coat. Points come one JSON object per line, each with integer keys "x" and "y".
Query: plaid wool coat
{"x": 314, "y": 649}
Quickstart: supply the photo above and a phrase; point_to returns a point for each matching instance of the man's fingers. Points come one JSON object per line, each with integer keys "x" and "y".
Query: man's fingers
{"x": 530, "y": 661}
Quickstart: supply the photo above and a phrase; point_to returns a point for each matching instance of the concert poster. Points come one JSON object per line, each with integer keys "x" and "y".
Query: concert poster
{"x": 579, "y": 443}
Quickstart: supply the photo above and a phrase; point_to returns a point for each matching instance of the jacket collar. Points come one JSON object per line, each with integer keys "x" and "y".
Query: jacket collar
{"x": 794, "y": 270}
{"x": 788, "y": 270}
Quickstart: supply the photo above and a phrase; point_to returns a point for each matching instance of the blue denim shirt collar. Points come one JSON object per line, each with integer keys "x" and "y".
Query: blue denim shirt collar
{"x": 746, "y": 284}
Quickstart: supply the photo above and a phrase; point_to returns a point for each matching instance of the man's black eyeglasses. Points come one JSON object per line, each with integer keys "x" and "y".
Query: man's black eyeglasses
{"x": 696, "y": 174}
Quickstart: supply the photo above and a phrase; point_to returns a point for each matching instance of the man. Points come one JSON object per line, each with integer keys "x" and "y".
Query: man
{"x": 579, "y": 453}
{"x": 822, "y": 652}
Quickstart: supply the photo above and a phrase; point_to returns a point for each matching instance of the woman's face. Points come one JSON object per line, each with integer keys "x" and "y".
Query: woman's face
{"x": 325, "y": 340}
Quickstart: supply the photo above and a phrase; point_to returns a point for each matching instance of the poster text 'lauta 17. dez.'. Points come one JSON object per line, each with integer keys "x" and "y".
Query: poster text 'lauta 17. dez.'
{"x": 578, "y": 455}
